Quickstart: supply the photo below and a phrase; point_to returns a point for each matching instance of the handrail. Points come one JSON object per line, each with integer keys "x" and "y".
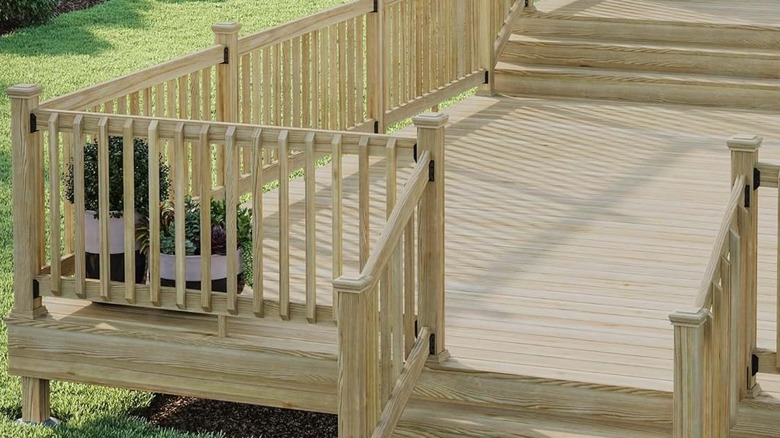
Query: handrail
{"x": 403, "y": 386}
{"x": 394, "y": 229}
{"x": 304, "y": 25}
{"x": 129, "y": 83}
{"x": 704, "y": 297}
{"x": 506, "y": 31}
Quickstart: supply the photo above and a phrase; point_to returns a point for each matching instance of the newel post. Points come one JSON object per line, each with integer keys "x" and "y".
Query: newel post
{"x": 27, "y": 168}
{"x": 226, "y": 34}
{"x": 744, "y": 156}
{"x": 353, "y": 381}
{"x": 487, "y": 40}
{"x": 430, "y": 137}
{"x": 690, "y": 374}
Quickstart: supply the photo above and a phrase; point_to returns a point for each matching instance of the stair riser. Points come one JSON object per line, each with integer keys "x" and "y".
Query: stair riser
{"x": 513, "y": 83}
{"x": 640, "y": 59}
{"x": 735, "y": 36}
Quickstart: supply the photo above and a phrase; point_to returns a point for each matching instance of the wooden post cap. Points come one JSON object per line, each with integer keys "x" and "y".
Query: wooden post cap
{"x": 689, "y": 318}
{"x": 745, "y": 142}
{"x": 22, "y": 91}
{"x": 430, "y": 120}
{"x": 229, "y": 27}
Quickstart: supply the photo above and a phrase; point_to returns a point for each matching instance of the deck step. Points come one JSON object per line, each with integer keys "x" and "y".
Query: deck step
{"x": 622, "y": 29}
{"x": 642, "y": 56}
{"x": 430, "y": 419}
{"x": 529, "y": 79}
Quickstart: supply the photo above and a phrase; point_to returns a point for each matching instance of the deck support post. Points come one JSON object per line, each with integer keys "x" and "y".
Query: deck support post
{"x": 744, "y": 155}
{"x": 226, "y": 34}
{"x": 375, "y": 66}
{"x": 692, "y": 406}
{"x": 430, "y": 137}
{"x": 486, "y": 46}
{"x": 27, "y": 196}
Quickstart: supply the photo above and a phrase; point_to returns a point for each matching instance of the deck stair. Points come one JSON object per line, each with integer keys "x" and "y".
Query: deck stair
{"x": 552, "y": 53}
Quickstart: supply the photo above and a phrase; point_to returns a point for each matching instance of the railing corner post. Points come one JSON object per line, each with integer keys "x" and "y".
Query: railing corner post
{"x": 226, "y": 34}
{"x": 353, "y": 378}
{"x": 744, "y": 156}
{"x": 487, "y": 39}
{"x": 375, "y": 66}
{"x": 430, "y": 137}
{"x": 690, "y": 374}
{"x": 27, "y": 180}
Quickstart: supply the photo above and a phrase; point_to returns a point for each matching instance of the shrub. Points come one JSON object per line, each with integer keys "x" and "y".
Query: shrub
{"x": 19, "y": 13}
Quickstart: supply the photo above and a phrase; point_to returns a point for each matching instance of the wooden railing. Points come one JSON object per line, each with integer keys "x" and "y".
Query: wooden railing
{"x": 715, "y": 342}
{"x": 380, "y": 354}
{"x": 295, "y": 148}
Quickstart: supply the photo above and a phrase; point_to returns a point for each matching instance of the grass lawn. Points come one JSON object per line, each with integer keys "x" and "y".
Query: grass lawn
{"x": 70, "y": 52}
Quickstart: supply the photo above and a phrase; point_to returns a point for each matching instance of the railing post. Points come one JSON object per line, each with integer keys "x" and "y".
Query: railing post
{"x": 352, "y": 317}
{"x": 744, "y": 155}
{"x": 690, "y": 375}
{"x": 430, "y": 137}
{"x": 27, "y": 173}
{"x": 226, "y": 34}
{"x": 27, "y": 168}
{"x": 375, "y": 66}
{"x": 487, "y": 40}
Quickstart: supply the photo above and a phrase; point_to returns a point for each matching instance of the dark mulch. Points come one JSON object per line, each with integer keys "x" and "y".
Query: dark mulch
{"x": 237, "y": 420}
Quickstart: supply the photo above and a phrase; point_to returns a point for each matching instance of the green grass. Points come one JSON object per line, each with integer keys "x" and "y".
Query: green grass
{"x": 71, "y": 52}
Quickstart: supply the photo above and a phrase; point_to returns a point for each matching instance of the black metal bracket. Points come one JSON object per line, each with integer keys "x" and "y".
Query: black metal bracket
{"x": 756, "y": 178}
{"x": 487, "y": 76}
{"x": 414, "y": 152}
{"x": 376, "y": 6}
{"x": 36, "y": 289}
{"x": 33, "y": 123}
{"x": 376, "y": 127}
{"x": 431, "y": 171}
{"x": 753, "y": 364}
{"x": 747, "y": 196}
{"x": 432, "y": 344}
{"x": 226, "y": 56}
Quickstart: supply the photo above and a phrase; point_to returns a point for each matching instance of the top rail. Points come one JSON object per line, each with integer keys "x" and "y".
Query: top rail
{"x": 124, "y": 85}
{"x": 396, "y": 224}
{"x": 704, "y": 297}
{"x": 304, "y": 25}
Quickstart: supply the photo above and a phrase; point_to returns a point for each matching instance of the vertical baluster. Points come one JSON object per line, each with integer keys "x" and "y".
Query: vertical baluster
{"x": 284, "y": 226}
{"x": 278, "y": 100}
{"x": 256, "y": 88}
{"x": 205, "y": 105}
{"x": 108, "y": 107}
{"x": 246, "y": 108}
{"x": 343, "y": 68}
{"x": 287, "y": 80}
{"x": 195, "y": 100}
{"x": 204, "y": 150}
{"x": 409, "y": 286}
{"x": 54, "y": 202}
{"x": 154, "y": 212}
{"x": 121, "y": 105}
{"x": 268, "y": 80}
{"x": 350, "y": 98}
{"x": 734, "y": 359}
{"x": 78, "y": 203}
{"x": 159, "y": 100}
{"x": 335, "y": 68}
{"x": 128, "y": 193}
{"x": 295, "y": 78}
{"x": 67, "y": 207}
{"x": 721, "y": 310}
{"x": 103, "y": 208}
{"x": 181, "y": 92}
{"x": 314, "y": 106}
{"x": 306, "y": 57}
{"x": 179, "y": 153}
{"x": 310, "y": 180}
{"x": 231, "y": 219}
{"x": 148, "y": 102}
{"x": 360, "y": 88}
{"x": 396, "y": 282}
{"x": 363, "y": 200}
{"x": 336, "y": 208}
{"x": 257, "y": 222}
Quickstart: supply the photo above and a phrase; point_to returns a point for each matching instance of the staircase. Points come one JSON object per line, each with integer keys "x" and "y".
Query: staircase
{"x": 558, "y": 54}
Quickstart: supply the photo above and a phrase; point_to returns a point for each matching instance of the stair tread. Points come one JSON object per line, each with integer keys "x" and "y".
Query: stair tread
{"x": 642, "y": 76}
{"x": 449, "y": 419}
{"x": 648, "y": 46}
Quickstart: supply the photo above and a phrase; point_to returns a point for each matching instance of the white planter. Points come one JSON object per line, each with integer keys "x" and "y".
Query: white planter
{"x": 116, "y": 232}
{"x": 192, "y": 267}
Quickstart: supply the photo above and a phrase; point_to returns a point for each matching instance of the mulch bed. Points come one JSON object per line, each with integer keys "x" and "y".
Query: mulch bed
{"x": 234, "y": 420}
{"x": 237, "y": 420}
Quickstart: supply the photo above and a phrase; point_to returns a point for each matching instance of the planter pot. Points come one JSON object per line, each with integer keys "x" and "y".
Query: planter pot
{"x": 193, "y": 274}
{"x": 116, "y": 229}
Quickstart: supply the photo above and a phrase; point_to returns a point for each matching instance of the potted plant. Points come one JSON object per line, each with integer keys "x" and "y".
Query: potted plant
{"x": 115, "y": 203}
{"x": 192, "y": 244}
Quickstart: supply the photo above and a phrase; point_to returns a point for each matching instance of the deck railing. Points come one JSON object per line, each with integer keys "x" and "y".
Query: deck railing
{"x": 382, "y": 344}
{"x": 715, "y": 342}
